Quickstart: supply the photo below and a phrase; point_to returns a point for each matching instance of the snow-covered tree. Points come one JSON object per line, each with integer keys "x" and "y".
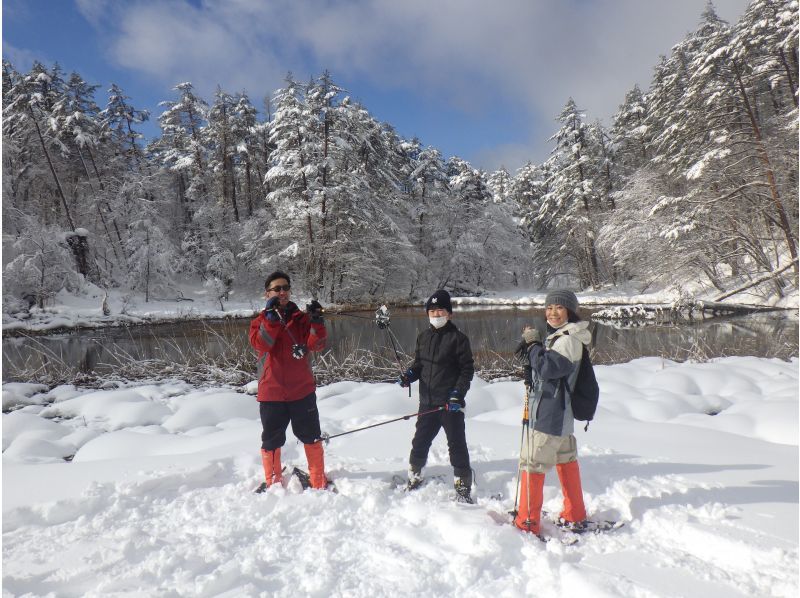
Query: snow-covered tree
{"x": 119, "y": 122}
{"x": 570, "y": 208}
{"x": 43, "y": 265}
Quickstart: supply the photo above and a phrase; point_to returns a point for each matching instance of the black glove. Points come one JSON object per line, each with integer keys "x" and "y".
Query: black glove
{"x": 527, "y": 375}
{"x": 407, "y": 378}
{"x": 521, "y": 352}
{"x": 271, "y": 310}
{"x": 454, "y": 403}
{"x": 314, "y": 309}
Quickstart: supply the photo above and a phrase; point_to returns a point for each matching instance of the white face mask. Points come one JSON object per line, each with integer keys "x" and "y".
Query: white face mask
{"x": 438, "y": 322}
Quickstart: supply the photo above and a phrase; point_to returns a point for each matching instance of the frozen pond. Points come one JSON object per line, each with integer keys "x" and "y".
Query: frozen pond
{"x": 491, "y": 330}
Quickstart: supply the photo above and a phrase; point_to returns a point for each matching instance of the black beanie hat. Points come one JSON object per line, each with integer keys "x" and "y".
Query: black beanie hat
{"x": 440, "y": 298}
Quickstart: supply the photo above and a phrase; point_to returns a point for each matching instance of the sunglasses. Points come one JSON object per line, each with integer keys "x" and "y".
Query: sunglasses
{"x": 279, "y": 288}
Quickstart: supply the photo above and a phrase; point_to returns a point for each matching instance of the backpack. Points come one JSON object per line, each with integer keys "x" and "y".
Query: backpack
{"x": 586, "y": 391}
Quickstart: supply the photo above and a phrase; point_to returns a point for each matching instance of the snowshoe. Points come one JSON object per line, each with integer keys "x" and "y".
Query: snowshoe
{"x": 409, "y": 485}
{"x": 414, "y": 479}
{"x": 262, "y": 487}
{"x": 585, "y": 526}
{"x": 463, "y": 491}
{"x": 305, "y": 480}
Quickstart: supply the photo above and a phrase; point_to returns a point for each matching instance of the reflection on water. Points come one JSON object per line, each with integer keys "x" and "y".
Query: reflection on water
{"x": 494, "y": 330}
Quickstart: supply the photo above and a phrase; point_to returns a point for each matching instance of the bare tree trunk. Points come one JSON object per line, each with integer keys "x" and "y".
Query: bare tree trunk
{"x": 783, "y": 220}
{"x": 792, "y": 84}
{"x": 53, "y": 171}
{"x": 320, "y": 282}
{"x": 232, "y": 179}
{"x": 248, "y": 187}
{"x": 94, "y": 167}
{"x": 309, "y": 226}
{"x": 147, "y": 271}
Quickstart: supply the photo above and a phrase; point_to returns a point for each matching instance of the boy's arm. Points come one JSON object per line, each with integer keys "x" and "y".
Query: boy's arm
{"x": 415, "y": 369}
{"x": 317, "y": 336}
{"x": 466, "y": 366}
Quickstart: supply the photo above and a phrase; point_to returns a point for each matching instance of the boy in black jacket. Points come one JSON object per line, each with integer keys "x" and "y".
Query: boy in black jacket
{"x": 444, "y": 367}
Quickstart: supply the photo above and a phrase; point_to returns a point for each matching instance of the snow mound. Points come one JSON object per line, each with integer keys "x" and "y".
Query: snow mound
{"x": 700, "y": 462}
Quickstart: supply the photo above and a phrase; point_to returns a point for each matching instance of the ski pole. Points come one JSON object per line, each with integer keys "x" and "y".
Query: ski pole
{"x": 382, "y": 320}
{"x": 344, "y": 313}
{"x": 397, "y": 356}
{"x": 525, "y": 428}
{"x": 326, "y": 437}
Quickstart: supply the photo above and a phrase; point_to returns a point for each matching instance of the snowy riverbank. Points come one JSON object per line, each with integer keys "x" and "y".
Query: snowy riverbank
{"x": 158, "y": 497}
{"x": 194, "y": 302}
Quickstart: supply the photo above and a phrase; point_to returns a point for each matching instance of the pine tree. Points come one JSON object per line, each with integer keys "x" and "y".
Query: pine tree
{"x": 630, "y": 135}
{"x": 119, "y": 120}
{"x": 220, "y": 142}
{"x": 32, "y": 101}
{"x": 569, "y": 207}
{"x": 181, "y": 151}
{"x": 498, "y": 183}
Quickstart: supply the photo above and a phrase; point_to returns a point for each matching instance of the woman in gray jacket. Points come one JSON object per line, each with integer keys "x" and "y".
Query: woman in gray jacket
{"x": 554, "y": 364}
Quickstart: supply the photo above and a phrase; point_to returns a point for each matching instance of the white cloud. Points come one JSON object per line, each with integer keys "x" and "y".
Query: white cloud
{"x": 467, "y": 52}
{"x": 21, "y": 58}
{"x": 512, "y": 156}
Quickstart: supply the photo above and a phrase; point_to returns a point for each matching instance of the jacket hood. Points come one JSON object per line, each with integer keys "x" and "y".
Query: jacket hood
{"x": 579, "y": 330}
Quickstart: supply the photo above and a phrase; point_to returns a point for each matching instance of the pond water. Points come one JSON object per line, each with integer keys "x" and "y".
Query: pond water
{"x": 490, "y": 330}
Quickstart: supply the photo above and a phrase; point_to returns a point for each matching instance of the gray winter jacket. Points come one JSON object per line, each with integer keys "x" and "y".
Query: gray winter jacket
{"x": 554, "y": 364}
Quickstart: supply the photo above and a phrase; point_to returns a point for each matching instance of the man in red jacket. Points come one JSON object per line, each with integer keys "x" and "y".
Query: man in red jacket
{"x": 283, "y": 336}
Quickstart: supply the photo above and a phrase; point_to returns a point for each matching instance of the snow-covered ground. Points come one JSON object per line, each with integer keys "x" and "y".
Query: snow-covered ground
{"x": 158, "y": 500}
{"x": 195, "y": 301}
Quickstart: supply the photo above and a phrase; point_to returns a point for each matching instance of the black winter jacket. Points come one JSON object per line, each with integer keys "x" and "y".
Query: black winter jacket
{"x": 442, "y": 362}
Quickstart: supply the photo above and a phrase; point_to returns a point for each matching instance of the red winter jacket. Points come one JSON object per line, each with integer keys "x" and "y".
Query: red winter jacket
{"x": 281, "y": 377}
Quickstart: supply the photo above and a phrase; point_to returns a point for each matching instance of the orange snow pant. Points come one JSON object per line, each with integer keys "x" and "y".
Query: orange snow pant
{"x": 271, "y": 460}
{"x": 316, "y": 465}
{"x": 540, "y": 453}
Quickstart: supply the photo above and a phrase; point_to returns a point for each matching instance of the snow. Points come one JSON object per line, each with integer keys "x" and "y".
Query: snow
{"x": 158, "y": 500}
{"x": 192, "y": 300}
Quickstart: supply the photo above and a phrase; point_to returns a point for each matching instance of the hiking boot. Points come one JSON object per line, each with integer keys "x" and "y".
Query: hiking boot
{"x": 414, "y": 478}
{"x": 463, "y": 488}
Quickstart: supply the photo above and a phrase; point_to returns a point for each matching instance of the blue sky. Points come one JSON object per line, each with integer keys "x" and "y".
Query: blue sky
{"x": 481, "y": 80}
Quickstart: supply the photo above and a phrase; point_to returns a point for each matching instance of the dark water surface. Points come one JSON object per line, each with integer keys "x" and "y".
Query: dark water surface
{"x": 491, "y": 330}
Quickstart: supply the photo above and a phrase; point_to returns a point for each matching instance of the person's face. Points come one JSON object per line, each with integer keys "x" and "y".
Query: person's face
{"x": 556, "y": 315}
{"x": 438, "y": 312}
{"x": 278, "y": 288}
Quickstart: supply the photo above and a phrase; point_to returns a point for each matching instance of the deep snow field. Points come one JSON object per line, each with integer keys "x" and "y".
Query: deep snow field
{"x": 157, "y": 500}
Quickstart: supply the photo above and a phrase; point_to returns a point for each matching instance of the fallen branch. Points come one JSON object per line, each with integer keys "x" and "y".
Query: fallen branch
{"x": 757, "y": 282}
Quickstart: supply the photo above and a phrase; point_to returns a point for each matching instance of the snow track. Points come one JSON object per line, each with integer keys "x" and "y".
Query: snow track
{"x": 203, "y": 533}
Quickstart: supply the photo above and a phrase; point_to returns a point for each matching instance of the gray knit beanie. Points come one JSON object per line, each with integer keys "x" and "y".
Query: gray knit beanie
{"x": 562, "y": 297}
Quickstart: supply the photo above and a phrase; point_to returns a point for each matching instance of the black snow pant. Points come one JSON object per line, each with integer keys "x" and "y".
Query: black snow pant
{"x": 428, "y": 427}
{"x": 275, "y": 418}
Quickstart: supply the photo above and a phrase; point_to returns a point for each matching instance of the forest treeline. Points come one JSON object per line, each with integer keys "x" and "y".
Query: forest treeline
{"x": 694, "y": 178}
